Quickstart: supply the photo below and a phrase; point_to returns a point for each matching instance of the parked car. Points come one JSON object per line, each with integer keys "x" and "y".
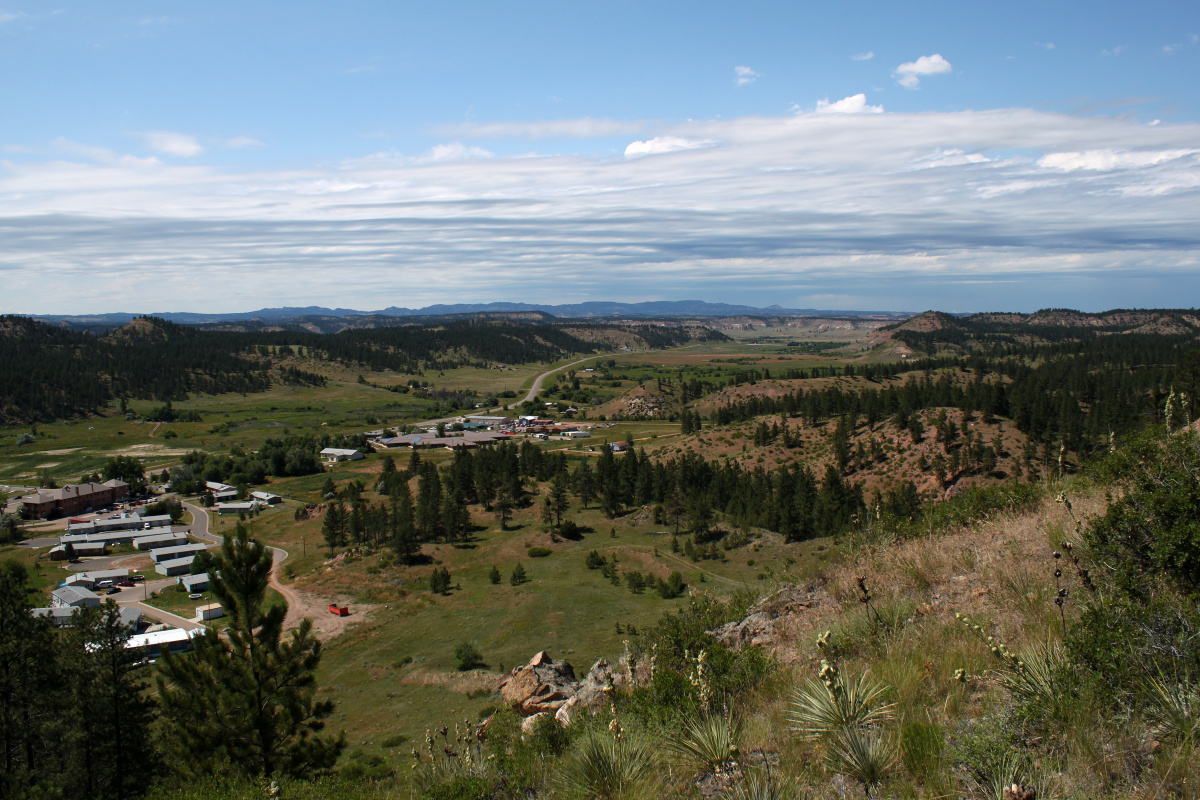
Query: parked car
{"x": 103, "y": 584}
{"x": 126, "y": 584}
{"x": 137, "y": 578}
{"x": 113, "y": 590}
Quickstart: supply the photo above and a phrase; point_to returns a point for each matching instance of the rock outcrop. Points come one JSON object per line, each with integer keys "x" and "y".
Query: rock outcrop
{"x": 768, "y": 621}
{"x": 547, "y": 686}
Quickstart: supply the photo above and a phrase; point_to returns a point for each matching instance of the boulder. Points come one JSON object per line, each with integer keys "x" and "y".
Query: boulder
{"x": 767, "y": 621}
{"x": 541, "y": 685}
{"x": 529, "y": 723}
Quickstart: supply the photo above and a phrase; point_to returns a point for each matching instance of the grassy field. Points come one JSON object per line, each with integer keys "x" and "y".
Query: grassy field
{"x": 393, "y": 673}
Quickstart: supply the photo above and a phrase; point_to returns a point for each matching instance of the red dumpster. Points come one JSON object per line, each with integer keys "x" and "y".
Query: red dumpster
{"x": 341, "y": 611}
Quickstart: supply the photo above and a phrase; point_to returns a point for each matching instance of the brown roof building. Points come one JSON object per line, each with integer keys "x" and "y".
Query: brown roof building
{"x": 75, "y": 498}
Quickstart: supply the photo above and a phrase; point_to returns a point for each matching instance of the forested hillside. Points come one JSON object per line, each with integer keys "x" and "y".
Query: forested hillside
{"x": 48, "y": 372}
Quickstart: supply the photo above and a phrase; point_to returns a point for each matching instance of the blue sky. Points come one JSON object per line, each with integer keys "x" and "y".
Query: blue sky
{"x": 867, "y": 155}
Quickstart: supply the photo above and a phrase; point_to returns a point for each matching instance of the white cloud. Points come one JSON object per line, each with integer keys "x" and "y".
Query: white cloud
{"x": 663, "y": 144}
{"x": 1101, "y": 160}
{"x": 172, "y": 144}
{"x": 1115, "y": 51}
{"x": 854, "y": 104}
{"x": 456, "y": 151}
{"x": 744, "y": 75}
{"x": 581, "y": 128}
{"x": 447, "y": 152}
{"x": 867, "y": 56}
{"x": 7, "y": 16}
{"x": 243, "y": 142}
{"x": 909, "y": 73}
{"x": 1045, "y": 45}
{"x": 954, "y": 157}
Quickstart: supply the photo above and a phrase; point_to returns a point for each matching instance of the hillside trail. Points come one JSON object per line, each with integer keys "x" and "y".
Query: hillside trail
{"x": 300, "y": 605}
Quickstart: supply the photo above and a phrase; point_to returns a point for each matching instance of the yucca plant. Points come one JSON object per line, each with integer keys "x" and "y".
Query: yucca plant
{"x": 762, "y": 785}
{"x": 863, "y": 754}
{"x": 849, "y": 717}
{"x": 1009, "y": 771}
{"x": 1174, "y": 710}
{"x": 608, "y": 768}
{"x": 705, "y": 744}
{"x": 822, "y": 708}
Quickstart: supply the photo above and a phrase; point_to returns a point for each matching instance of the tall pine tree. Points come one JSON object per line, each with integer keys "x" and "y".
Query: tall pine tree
{"x": 246, "y": 702}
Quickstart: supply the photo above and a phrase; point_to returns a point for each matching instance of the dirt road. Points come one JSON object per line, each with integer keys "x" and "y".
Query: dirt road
{"x": 300, "y": 605}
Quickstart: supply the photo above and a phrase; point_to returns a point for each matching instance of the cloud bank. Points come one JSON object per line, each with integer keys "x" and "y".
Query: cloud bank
{"x": 1009, "y": 208}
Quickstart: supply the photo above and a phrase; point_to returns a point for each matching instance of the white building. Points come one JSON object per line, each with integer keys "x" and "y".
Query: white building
{"x": 332, "y": 455}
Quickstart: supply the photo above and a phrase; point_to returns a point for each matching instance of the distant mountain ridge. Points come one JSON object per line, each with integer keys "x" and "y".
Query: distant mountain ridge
{"x": 589, "y": 310}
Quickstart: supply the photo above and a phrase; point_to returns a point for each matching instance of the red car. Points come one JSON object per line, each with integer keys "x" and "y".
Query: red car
{"x": 126, "y": 584}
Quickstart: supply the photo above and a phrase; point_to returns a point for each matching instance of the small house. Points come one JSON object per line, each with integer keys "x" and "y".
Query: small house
{"x": 195, "y": 583}
{"x": 619, "y": 447}
{"x": 266, "y": 497}
{"x": 210, "y": 611}
{"x": 73, "y": 597}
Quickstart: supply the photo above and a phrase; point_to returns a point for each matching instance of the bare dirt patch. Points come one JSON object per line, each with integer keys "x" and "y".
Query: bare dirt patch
{"x": 134, "y": 563}
{"x": 62, "y": 452}
{"x": 150, "y": 450}
{"x": 475, "y": 680}
{"x": 48, "y": 464}
{"x": 325, "y": 624}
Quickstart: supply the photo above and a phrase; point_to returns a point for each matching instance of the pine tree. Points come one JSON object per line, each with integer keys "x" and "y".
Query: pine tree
{"x": 560, "y": 499}
{"x": 108, "y": 736}
{"x": 494, "y": 576}
{"x": 247, "y": 701}
{"x": 402, "y": 526}
{"x": 30, "y": 687}
{"x": 333, "y": 528}
{"x": 585, "y": 483}
{"x": 518, "y": 576}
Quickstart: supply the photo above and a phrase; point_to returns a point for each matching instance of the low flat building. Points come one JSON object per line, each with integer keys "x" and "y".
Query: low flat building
{"x": 60, "y": 617}
{"x": 80, "y": 549}
{"x": 175, "y": 640}
{"x": 176, "y": 551}
{"x": 125, "y": 522}
{"x": 88, "y": 580}
{"x": 248, "y": 507}
{"x": 175, "y": 566}
{"x": 332, "y": 455}
{"x": 266, "y": 497}
{"x": 160, "y": 540}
